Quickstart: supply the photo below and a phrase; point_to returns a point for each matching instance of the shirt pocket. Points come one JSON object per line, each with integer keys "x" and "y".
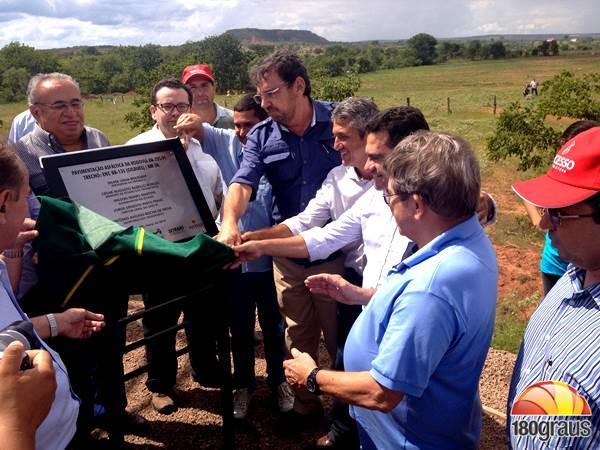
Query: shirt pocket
{"x": 279, "y": 164}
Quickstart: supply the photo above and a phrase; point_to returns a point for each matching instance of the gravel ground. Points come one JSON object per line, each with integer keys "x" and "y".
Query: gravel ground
{"x": 197, "y": 422}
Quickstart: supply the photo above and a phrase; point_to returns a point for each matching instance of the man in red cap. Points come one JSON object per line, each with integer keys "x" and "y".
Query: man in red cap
{"x": 201, "y": 80}
{"x": 561, "y": 340}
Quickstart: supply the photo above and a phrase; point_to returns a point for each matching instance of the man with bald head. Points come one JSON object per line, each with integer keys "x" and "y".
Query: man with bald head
{"x": 56, "y": 104}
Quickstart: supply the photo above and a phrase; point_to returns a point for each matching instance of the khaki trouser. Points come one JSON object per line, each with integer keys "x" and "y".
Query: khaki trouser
{"x": 306, "y": 315}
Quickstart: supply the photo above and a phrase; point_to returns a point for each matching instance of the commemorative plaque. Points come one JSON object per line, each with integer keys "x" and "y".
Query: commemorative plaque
{"x": 151, "y": 185}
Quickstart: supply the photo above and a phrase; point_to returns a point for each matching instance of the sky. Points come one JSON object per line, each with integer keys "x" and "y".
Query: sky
{"x": 65, "y": 23}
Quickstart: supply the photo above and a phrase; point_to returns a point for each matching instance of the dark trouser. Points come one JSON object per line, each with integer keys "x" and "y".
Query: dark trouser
{"x": 95, "y": 365}
{"x": 202, "y": 314}
{"x": 548, "y": 281}
{"x": 256, "y": 290}
{"x": 343, "y": 427}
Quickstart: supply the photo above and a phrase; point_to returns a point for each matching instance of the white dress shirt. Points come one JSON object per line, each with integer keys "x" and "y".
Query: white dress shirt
{"x": 205, "y": 168}
{"x": 340, "y": 190}
{"x": 369, "y": 221}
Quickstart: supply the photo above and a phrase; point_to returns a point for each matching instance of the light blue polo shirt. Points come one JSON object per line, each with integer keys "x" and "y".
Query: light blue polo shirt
{"x": 426, "y": 333}
{"x": 227, "y": 150}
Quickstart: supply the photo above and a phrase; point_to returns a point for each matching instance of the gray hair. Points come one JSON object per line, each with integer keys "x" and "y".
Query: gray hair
{"x": 36, "y": 80}
{"x": 441, "y": 168}
{"x": 356, "y": 111}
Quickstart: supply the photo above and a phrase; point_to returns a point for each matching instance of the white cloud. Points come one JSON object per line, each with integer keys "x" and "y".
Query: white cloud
{"x": 61, "y": 23}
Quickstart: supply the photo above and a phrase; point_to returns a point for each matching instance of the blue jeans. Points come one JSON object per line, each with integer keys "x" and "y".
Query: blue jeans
{"x": 256, "y": 290}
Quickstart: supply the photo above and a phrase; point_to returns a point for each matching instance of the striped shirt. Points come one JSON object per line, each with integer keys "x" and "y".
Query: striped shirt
{"x": 561, "y": 344}
{"x": 41, "y": 143}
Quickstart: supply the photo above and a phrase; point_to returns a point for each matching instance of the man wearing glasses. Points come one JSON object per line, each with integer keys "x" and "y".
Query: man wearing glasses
{"x": 561, "y": 339}
{"x": 55, "y": 103}
{"x": 294, "y": 149}
{"x": 170, "y": 99}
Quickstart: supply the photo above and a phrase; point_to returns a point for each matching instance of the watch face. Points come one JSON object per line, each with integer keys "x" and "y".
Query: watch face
{"x": 311, "y": 385}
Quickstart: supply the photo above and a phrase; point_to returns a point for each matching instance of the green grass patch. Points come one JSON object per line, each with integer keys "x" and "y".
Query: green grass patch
{"x": 511, "y": 319}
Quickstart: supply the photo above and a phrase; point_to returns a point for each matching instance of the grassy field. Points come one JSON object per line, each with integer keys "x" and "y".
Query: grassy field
{"x": 471, "y": 87}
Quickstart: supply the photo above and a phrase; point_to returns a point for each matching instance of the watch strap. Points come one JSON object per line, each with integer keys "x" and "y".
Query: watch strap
{"x": 53, "y": 326}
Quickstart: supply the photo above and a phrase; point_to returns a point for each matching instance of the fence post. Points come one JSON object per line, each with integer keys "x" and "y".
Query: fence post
{"x": 449, "y": 110}
{"x": 407, "y": 101}
{"x": 494, "y": 104}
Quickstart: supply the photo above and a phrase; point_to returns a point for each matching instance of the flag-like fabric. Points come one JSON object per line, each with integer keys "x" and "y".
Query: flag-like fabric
{"x": 77, "y": 248}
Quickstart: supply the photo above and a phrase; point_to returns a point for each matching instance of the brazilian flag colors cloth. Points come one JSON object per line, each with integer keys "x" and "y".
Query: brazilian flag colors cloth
{"x": 78, "y": 248}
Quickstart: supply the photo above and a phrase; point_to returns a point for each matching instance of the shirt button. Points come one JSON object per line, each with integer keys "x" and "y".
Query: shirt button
{"x": 547, "y": 338}
{"x": 305, "y": 162}
{"x": 303, "y": 182}
{"x": 302, "y": 204}
{"x": 572, "y": 302}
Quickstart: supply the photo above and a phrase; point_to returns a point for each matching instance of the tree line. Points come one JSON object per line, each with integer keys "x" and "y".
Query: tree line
{"x": 102, "y": 70}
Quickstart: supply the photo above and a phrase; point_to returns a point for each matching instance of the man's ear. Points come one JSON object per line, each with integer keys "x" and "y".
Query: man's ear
{"x": 419, "y": 206}
{"x": 35, "y": 112}
{"x": 299, "y": 85}
{"x": 4, "y": 196}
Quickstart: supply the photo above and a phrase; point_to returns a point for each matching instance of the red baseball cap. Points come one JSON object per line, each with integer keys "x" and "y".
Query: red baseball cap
{"x": 573, "y": 177}
{"x": 197, "y": 70}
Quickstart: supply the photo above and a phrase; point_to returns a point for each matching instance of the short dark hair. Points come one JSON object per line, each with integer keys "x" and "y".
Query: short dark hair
{"x": 247, "y": 103}
{"x": 575, "y": 128}
{"x": 399, "y": 122}
{"x": 171, "y": 83}
{"x": 12, "y": 170}
{"x": 286, "y": 64}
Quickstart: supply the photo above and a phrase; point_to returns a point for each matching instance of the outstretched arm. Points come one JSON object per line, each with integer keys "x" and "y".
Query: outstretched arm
{"x": 234, "y": 207}
{"x": 291, "y": 247}
{"x": 337, "y": 288}
{"x": 74, "y": 323}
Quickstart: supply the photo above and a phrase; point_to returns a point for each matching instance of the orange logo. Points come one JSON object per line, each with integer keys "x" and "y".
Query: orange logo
{"x": 550, "y": 398}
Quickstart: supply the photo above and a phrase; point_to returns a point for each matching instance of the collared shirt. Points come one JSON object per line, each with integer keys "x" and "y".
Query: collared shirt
{"x": 340, "y": 190}
{"x": 368, "y": 221}
{"x": 561, "y": 344}
{"x": 227, "y": 150}
{"x": 426, "y": 333}
{"x": 41, "y": 143}
{"x": 58, "y": 428}
{"x": 294, "y": 165}
{"x": 22, "y": 124}
{"x": 224, "y": 118}
{"x": 205, "y": 168}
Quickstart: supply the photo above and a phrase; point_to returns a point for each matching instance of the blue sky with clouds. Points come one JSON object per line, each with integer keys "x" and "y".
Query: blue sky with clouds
{"x": 63, "y": 23}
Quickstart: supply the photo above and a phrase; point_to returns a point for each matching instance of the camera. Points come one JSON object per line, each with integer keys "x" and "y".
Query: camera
{"x": 22, "y": 331}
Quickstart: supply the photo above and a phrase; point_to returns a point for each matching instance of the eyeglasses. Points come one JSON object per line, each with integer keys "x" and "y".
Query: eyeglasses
{"x": 403, "y": 196}
{"x": 556, "y": 217}
{"x": 63, "y": 106}
{"x": 169, "y": 107}
{"x": 267, "y": 94}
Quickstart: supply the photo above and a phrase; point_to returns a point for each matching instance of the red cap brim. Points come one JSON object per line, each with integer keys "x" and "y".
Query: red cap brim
{"x": 545, "y": 192}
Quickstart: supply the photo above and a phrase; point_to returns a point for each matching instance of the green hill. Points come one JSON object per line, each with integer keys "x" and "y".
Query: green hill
{"x": 258, "y": 36}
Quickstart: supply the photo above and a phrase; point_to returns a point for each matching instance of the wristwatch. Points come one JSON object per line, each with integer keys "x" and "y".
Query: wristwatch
{"x": 311, "y": 382}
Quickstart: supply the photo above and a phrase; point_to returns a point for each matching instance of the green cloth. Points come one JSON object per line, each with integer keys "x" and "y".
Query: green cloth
{"x": 77, "y": 248}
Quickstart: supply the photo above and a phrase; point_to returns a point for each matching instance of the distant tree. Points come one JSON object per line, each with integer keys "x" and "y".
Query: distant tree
{"x": 14, "y": 84}
{"x": 225, "y": 55}
{"x": 522, "y": 130}
{"x": 334, "y": 89}
{"x": 473, "y": 49}
{"x": 34, "y": 61}
{"x": 423, "y": 45}
{"x": 497, "y": 50}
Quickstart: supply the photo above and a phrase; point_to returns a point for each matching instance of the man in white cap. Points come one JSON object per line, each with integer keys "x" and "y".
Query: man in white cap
{"x": 554, "y": 398}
